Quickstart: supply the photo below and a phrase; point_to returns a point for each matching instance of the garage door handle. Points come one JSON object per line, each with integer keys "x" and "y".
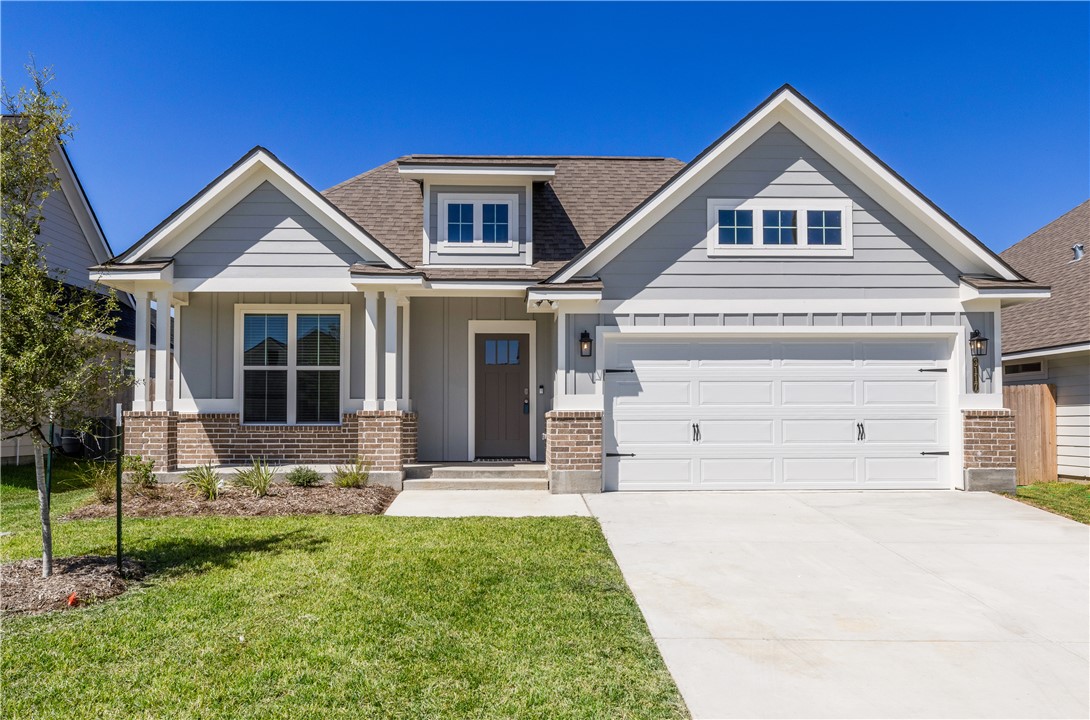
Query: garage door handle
{"x": 862, "y": 432}
{"x": 620, "y": 454}
{"x": 944, "y": 452}
{"x": 696, "y": 432}
{"x": 614, "y": 370}
{"x": 932, "y": 369}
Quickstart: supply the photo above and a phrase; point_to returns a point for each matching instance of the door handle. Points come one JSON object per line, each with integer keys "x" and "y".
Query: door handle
{"x": 862, "y": 432}
{"x": 696, "y": 432}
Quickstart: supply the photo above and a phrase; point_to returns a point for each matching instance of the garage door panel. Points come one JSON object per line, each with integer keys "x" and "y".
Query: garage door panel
{"x": 912, "y": 431}
{"x": 725, "y": 393}
{"x": 840, "y": 471}
{"x": 745, "y": 432}
{"x": 808, "y": 432}
{"x": 652, "y": 393}
{"x": 817, "y": 354}
{"x": 814, "y": 393}
{"x": 636, "y": 474}
{"x": 778, "y": 414}
{"x": 901, "y": 392}
{"x": 737, "y": 471}
{"x": 735, "y": 355}
{"x": 657, "y": 431}
{"x": 901, "y": 471}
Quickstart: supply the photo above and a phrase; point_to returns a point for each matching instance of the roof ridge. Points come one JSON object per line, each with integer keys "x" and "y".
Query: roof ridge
{"x": 465, "y": 156}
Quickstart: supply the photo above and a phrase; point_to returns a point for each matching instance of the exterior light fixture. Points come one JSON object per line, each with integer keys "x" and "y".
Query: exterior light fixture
{"x": 978, "y": 347}
{"x": 585, "y": 344}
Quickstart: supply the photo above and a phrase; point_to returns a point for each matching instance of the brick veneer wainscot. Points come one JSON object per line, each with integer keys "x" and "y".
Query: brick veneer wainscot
{"x": 387, "y": 438}
{"x": 573, "y": 450}
{"x": 989, "y": 439}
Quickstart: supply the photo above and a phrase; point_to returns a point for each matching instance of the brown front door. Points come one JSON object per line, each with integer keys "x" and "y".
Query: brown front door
{"x": 502, "y": 404}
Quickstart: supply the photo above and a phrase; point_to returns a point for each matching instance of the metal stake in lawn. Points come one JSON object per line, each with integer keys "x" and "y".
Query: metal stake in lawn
{"x": 119, "y": 447}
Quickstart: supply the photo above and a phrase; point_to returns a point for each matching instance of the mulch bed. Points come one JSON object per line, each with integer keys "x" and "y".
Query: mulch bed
{"x": 75, "y": 581}
{"x": 178, "y": 501}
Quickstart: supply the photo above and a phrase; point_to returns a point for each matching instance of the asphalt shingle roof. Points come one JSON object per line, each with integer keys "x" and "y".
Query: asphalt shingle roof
{"x": 586, "y": 198}
{"x": 1046, "y": 257}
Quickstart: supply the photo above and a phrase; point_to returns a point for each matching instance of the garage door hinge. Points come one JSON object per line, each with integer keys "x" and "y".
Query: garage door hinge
{"x": 944, "y": 452}
{"x": 620, "y": 454}
{"x": 932, "y": 369}
{"x": 629, "y": 370}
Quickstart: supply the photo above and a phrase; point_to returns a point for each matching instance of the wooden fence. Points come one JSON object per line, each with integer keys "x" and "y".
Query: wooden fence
{"x": 1034, "y": 408}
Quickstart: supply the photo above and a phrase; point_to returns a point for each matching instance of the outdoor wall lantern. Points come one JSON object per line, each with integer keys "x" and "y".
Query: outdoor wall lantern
{"x": 585, "y": 344}
{"x": 978, "y": 346}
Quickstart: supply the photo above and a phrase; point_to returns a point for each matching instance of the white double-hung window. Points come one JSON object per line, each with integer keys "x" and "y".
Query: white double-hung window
{"x": 478, "y": 223}
{"x": 765, "y": 226}
{"x": 291, "y": 366}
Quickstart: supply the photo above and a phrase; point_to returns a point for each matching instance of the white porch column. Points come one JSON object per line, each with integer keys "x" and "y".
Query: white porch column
{"x": 176, "y": 386}
{"x": 390, "y": 348}
{"x": 141, "y": 357}
{"x": 561, "y": 385}
{"x": 406, "y": 397}
{"x": 162, "y": 351}
{"x": 370, "y": 347}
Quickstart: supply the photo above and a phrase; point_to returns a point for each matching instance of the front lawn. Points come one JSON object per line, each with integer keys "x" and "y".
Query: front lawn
{"x": 329, "y": 617}
{"x": 1063, "y": 498}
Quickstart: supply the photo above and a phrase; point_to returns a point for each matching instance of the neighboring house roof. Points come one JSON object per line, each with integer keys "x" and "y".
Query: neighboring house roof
{"x": 583, "y": 200}
{"x": 1046, "y": 256}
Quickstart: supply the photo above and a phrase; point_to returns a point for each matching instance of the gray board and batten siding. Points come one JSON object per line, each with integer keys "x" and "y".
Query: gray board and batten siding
{"x": 670, "y": 259}
{"x": 470, "y": 257}
{"x": 265, "y": 235}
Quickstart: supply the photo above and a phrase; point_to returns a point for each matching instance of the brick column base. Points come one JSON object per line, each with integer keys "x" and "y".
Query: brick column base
{"x": 573, "y": 451}
{"x": 989, "y": 450}
{"x": 153, "y": 436}
{"x": 388, "y": 439}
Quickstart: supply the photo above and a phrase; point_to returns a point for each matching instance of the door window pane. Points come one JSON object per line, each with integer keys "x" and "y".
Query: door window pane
{"x": 512, "y": 352}
{"x": 489, "y": 352}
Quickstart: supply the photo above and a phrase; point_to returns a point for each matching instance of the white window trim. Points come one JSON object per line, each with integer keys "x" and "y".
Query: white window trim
{"x": 800, "y": 207}
{"x": 479, "y": 246}
{"x": 1041, "y": 374}
{"x": 292, "y": 311}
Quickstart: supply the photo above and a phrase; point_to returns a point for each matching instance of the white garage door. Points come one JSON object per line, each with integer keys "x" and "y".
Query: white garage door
{"x": 712, "y": 414}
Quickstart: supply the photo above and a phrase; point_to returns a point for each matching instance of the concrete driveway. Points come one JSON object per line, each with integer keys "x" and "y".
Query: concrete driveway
{"x": 849, "y": 604}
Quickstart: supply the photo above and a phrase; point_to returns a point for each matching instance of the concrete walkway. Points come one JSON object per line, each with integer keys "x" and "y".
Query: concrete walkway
{"x": 847, "y": 604}
{"x": 494, "y": 503}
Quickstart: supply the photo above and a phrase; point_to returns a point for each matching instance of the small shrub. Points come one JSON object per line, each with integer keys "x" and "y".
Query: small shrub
{"x": 204, "y": 480}
{"x": 101, "y": 478}
{"x": 141, "y": 471}
{"x": 257, "y": 478}
{"x": 352, "y": 476}
{"x": 304, "y": 476}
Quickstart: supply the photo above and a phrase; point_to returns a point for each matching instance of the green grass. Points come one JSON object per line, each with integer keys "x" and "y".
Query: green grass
{"x": 1063, "y": 498}
{"x": 336, "y": 617}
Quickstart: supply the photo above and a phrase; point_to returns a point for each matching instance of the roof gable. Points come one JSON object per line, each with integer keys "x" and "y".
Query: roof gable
{"x": 257, "y": 167}
{"x": 789, "y": 108}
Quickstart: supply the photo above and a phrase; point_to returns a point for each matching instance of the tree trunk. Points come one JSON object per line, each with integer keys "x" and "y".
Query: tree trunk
{"x": 43, "y": 504}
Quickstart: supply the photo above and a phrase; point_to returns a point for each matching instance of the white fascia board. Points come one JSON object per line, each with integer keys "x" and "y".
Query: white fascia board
{"x": 1006, "y": 296}
{"x": 264, "y": 285}
{"x": 130, "y": 280}
{"x": 375, "y": 281}
{"x": 857, "y": 165}
{"x": 782, "y": 331}
{"x": 769, "y": 306}
{"x": 1049, "y": 352}
{"x": 238, "y": 183}
{"x": 439, "y": 173}
{"x": 562, "y": 295}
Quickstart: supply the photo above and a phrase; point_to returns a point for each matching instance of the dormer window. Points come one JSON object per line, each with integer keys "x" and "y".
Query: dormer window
{"x": 784, "y": 227}
{"x": 478, "y": 223}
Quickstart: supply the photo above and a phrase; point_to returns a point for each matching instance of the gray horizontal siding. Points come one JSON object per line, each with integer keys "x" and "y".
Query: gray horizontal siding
{"x": 265, "y": 235}
{"x": 670, "y": 260}
{"x": 65, "y": 247}
{"x": 469, "y": 258}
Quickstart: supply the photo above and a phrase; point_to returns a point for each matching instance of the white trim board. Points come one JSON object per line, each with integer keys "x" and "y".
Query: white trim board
{"x": 257, "y": 167}
{"x": 1048, "y": 352}
{"x": 789, "y": 108}
{"x": 513, "y": 327}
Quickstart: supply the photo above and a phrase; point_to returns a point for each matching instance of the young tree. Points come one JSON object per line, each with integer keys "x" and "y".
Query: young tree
{"x": 54, "y": 364}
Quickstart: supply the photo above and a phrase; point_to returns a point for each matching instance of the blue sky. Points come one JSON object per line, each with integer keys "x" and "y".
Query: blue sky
{"x": 984, "y": 107}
